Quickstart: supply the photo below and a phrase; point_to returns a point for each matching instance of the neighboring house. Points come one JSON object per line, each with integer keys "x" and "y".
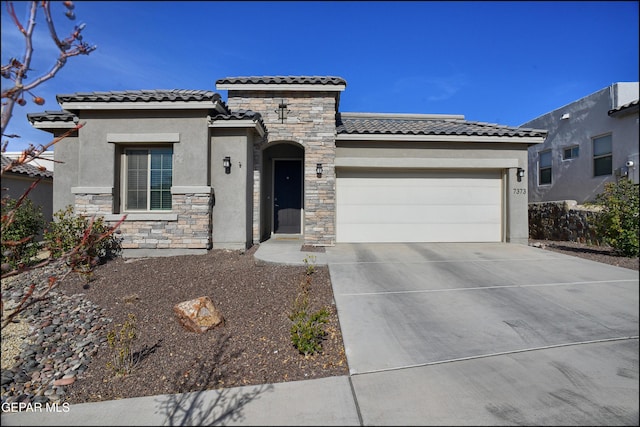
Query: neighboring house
{"x": 18, "y": 179}
{"x": 590, "y": 142}
{"x": 192, "y": 172}
{"x": 44, "y": 159}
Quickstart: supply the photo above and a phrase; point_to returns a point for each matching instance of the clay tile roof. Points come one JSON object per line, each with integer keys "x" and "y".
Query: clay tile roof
{"x": 426, "y": 125}
{"x": 26, "y": 169}
{"x": 627, "y": 106}
{"x": 308, "y": 80}
{"x": 51, "y": 116}
{"x": 241, "y": 115}
{"x": 170, "y": 95}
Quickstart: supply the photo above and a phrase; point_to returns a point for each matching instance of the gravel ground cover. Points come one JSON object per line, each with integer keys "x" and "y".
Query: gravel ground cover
{"x": 253, "y": 347}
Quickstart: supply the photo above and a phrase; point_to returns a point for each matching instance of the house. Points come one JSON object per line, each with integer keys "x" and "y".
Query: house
{"x": 590, "y": 142}
{"x": 279, "y": 158}
{"x": 44, "y": 160}
{"x": 17, "y": 180}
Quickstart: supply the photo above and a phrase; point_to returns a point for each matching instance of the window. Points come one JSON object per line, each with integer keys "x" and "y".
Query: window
{"x": 544, "y": 167}
{"x": 571, "y": 153}
{"x": 148, "y": 179}
{"x": 602, "y": 159}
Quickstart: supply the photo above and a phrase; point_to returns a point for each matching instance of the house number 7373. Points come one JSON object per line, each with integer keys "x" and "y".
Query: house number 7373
{"x": 519, "y": 191}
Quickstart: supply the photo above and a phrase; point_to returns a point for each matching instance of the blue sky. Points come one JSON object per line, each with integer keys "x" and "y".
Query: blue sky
{"x": 499, "y": 62}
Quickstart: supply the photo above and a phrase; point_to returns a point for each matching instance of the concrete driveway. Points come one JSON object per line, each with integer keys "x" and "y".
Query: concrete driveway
{"x": 494, "y": 333}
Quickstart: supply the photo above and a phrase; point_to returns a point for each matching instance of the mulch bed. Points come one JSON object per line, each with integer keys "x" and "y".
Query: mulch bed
{"x": 252, "y": 347}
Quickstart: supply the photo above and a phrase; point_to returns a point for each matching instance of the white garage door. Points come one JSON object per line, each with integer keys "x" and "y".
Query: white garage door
{"x": 419, "y": 206}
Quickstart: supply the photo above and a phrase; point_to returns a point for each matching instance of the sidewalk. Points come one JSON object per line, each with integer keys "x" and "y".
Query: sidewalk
{"x": 325, "y": 401}
{"x": 287, "y": 250}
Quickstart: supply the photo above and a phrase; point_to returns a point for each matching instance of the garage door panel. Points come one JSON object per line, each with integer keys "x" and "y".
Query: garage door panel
{"x": 419, "y": 206}
{"x": 414, "y": 195}
{"x": 378, "y": 214}
{"x": 389, "y": 233}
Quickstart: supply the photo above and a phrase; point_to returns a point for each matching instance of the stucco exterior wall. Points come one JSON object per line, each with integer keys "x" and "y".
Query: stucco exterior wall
{"x": 232, "y": 213}
{"x": 66, "y": 174}
{"x": 585, "y": 119}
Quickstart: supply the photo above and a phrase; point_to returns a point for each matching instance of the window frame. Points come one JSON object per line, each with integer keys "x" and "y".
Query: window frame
{"x": 571, "y": 149}
{"x": 125, "y": 172}
{"x": 599, "y": 157}
{"x": 541, "y": 168}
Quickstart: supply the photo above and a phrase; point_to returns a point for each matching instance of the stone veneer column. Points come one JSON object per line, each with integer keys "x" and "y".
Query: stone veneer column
{"x": 311, "y": 123}
{"x": 257, "y": 173}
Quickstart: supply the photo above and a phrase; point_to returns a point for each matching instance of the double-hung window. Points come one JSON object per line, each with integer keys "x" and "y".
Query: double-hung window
{"x": 602, "y": 159}
{"x": 148, "y": 178}
{"x": 544, "y": 167}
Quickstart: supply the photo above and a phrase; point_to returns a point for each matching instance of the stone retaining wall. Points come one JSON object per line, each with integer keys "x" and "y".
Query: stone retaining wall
{"x": 564, "y": 221}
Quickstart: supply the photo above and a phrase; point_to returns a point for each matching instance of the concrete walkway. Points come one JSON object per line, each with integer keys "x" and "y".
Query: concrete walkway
{"x": 444, "y": 334}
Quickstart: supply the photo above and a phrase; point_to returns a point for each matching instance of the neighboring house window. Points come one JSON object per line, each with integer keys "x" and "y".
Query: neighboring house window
{"x": 602, "y": 159}
{"x": 544, "y": 167}
{"x": 571, "y": 153}
{"x": 148, "y": 179}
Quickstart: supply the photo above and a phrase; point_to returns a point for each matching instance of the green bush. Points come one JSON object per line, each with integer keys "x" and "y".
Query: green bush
{"x": 307, "y": 331}
{"x": 67, "y": 231}
{"x": 18, "y": 245}
{"x": 617, "y": 222}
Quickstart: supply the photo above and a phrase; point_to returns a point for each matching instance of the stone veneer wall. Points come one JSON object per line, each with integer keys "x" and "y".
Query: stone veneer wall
{"x": 311, "y": 122}
{"x": 257, "y": 172}
{"x": 191, "y": 229}
{"x": 564, "y": 221}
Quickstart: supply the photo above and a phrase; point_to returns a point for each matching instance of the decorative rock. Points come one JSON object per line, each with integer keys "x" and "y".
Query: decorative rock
{"x": 198, "y": 315}
{"x": 56, "y": 343}
{"x": 64, "y": 381}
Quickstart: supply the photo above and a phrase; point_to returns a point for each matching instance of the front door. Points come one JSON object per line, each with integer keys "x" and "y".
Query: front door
{"x": 287, "y": 196}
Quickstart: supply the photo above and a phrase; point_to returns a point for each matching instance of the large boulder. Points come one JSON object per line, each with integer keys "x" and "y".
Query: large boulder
{"x": 198, "y": 315}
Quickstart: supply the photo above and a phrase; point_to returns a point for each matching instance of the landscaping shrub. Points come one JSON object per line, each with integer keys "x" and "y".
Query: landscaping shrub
{"x": 617, "y": 222}
{"x": 307, "y": 331}
{"x": 120, "y": 341}
{"x": 18, "y": 245}
{"x": 67, "y": 231}
{"x": 87, "y": 243}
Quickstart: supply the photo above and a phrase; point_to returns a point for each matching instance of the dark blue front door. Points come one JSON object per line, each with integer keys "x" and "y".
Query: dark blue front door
{"x": 287, "y": 196}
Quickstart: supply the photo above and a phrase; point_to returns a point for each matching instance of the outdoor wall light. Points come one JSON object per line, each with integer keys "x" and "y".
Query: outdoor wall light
{"x": 226, "y": 162}
{"x": 282, "y": 111}
{"x": 520, "y": 174}
{"x": 319, "y": 169}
